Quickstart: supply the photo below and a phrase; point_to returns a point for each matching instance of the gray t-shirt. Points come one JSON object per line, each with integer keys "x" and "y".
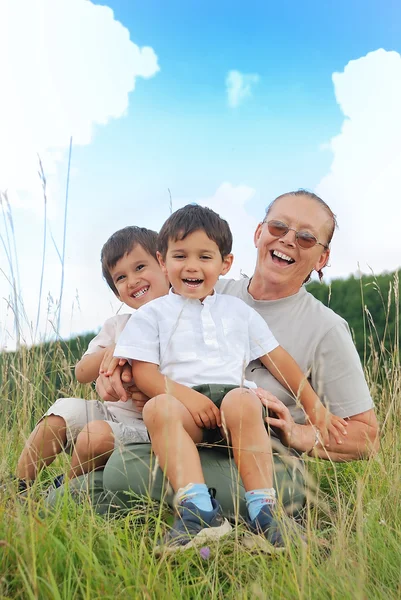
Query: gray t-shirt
{"x": 319, "y": 340}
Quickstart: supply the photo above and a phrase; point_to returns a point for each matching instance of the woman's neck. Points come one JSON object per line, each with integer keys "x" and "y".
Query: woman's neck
{"x": 260, "y": 289}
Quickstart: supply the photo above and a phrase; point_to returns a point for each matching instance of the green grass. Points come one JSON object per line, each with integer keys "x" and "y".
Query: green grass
{"x": 73, "y": 553}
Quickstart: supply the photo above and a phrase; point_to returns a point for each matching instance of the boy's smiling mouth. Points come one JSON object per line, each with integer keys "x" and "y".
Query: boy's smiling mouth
{"x": 192, "y": 283}
{"x": 140, "y": 292}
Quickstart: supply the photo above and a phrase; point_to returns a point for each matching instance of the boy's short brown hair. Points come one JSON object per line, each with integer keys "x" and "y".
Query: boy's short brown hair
{"x": 193, "y": 217}
{"x": 121, "y": 243}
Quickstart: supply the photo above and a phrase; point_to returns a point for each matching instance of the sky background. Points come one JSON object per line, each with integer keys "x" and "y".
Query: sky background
{"x": 224, "y": 103}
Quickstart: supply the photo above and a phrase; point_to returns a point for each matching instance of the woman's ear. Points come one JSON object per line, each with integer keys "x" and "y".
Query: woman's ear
{"x": 227, "y": 264}
{"x": 323, "y": 260}
{"x": 257, "y": 234}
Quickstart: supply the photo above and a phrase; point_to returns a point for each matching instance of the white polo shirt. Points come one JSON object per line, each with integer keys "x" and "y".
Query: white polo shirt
{"x": 194, "y": 342}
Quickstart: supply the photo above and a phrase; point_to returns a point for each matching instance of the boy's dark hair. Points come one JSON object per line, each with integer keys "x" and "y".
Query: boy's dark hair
{"x": 193, "y": 217}
{"x": 121, "y": 243}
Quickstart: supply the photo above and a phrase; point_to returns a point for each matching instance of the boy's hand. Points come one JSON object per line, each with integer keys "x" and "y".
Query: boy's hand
{"x": 109, "y": 362}
{"x": 137, "y": 396}
{"x": 327, "y": 424}
{"x": 111, "y": 389}
{"x": 204, "y": 412}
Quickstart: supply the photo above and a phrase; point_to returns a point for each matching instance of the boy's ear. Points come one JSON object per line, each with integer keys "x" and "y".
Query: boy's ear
{"x": 161, "y": 262}
{"x": 227, "y": 264}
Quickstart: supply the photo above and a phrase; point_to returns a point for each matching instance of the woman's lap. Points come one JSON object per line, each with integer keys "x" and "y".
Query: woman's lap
{"x": 131, "y": 472}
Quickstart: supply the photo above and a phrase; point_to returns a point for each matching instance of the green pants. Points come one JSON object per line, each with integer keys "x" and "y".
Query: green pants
{"x": 131, "y": 472}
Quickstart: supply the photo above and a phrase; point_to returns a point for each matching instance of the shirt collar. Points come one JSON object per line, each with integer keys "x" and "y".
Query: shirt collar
{"x": 208, "y": 301}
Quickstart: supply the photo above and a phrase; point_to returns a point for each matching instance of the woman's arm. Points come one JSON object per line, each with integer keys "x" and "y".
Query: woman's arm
{"x": 286, "y": 370}
{"x": 361, "y": 441}
{"x": 152, "y": 383}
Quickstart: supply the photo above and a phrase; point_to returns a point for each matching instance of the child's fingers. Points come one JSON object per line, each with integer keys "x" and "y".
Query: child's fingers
{"x": 217, "y": 415}
{"x": 126, "y": 373}
{"x": 198, "y": 420}
{"x": 113, "y": 363}
{"x": 339, "y": 424}
{"x": 212, "y": 417}
{"x": 104, "y": 364}
{"x": 336, "y": 433}
{"x": 324, "y": 435}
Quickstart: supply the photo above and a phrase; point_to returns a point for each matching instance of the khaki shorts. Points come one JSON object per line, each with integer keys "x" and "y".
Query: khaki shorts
{"x": 78, "y": 412}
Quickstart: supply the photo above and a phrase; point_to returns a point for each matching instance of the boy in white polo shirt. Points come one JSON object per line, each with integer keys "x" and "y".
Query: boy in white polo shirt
{"x": 189, "y": 351}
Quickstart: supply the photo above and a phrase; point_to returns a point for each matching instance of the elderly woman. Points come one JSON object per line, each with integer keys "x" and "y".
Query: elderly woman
{"x": 292, "y": 241}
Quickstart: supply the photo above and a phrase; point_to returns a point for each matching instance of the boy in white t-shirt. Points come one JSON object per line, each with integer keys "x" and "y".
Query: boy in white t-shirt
{"x": 93, "y": 427}
{"x": 189, "y": 351}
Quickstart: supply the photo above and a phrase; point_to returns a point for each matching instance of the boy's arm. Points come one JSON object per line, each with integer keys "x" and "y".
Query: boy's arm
{"x": 100, "y": 349}
{"x": 286, "y": 370}
{"x": 152, "y": 383}
{"x": 87, "y": 369}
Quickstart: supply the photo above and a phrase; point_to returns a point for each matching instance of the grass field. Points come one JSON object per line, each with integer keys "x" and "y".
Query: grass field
{"x": 73, "y": 553}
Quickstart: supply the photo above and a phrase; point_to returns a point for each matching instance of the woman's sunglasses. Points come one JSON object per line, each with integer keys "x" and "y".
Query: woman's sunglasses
{"x": 304, "y": 238}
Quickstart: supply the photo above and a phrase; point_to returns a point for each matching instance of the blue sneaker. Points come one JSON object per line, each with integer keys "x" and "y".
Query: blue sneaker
{"x": 58, "y": 481}
{"x": 266, "y": 532}
{"x": 193, "y": 527}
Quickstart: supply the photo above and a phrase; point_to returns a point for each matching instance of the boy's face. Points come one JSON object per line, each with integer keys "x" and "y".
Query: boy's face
{"x": 193, "y": 265}
{"x": 138, "y": 278}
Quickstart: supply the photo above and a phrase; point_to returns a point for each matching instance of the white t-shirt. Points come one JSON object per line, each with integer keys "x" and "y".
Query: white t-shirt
{"x": 319, "y": 340}
{"x": 194, "y": 342}
{"x": 108, "y": 335}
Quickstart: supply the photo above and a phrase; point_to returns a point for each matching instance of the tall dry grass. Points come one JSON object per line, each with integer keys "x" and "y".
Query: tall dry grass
{"x": 74, "y": 553}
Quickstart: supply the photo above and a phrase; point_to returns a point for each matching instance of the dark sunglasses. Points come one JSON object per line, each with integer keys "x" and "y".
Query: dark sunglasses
{"x": 303, "y": 238}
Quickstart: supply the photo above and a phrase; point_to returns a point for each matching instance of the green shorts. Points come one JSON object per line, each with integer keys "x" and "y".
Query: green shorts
{"x": 216, "y": 392}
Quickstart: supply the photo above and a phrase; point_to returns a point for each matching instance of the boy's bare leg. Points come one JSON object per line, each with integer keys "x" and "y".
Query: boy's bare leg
{"x": 174, "y": 433}
{"x": 94, "y": 445}
{"x": 45, "y": 442}
{"x": 242, "y": 414}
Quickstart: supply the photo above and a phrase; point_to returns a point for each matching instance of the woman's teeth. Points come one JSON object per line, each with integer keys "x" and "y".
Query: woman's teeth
{"x": 282, "y": 256}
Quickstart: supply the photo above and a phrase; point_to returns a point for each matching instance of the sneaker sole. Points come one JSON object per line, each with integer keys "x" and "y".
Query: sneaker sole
{"x": 209, "y": 534}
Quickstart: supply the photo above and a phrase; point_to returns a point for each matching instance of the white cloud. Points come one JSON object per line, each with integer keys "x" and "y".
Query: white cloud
{"x": 363, "y": 185}
{"x": 66, "y": 66}
{"x": 239, "y": 87}
{"x": 230, "y": 202}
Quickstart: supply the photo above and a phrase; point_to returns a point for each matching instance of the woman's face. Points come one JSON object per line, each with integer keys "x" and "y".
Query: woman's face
{"x": 286, "y": 273}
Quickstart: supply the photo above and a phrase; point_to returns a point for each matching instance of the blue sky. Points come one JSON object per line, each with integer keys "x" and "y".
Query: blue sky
{"x": 179, "y": 119}
{"x": 144, "y": 122}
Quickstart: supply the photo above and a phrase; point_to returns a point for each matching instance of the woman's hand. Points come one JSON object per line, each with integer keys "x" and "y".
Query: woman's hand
{"x": 282, "y": 419}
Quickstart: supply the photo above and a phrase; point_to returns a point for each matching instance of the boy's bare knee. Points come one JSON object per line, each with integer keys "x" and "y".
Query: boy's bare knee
{"x": 241, "y": 404}
{"x": 159, "y": 409}
{"x": 52, "y": 422}
{"x": 96, "y": 437}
